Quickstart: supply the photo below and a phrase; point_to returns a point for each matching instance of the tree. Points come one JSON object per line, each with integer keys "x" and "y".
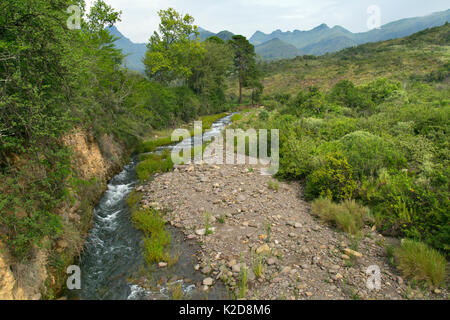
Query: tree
{"x": 244, "y": 62}
{"x": 172, "y": 51}
{"x": 208, "y": 77}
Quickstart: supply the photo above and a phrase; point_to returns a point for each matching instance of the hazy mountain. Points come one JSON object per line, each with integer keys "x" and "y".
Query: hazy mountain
{"x": 225, "y": 35}
{"x": 276, "y": 49}
{"x": 135, "y": 51}
{"x": 205, "y": 34}
{"x": 323, "y": 39}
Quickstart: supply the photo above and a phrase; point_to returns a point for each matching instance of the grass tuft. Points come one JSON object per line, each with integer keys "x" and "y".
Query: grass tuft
{"x": 348, "y": 216}
{"x": 419, "y": 262}
{"x": 156, "y": 237}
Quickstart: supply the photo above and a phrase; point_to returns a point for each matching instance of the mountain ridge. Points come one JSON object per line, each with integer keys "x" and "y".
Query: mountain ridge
{"x": 284, "y": 45}
{"x": 323, "y": 39}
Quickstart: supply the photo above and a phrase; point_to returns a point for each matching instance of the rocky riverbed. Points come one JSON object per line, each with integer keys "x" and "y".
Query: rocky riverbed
{"x": 301, "y": 257}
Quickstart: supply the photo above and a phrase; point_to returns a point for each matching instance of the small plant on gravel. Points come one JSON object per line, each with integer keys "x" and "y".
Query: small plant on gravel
{"x": 221, "y": 219}
{"x": 268, "y": 231}
{"x": 354, "y": 242}
{"x": 258, "y": 266}
{"x": 273, "y": 186}
{"x": 419, "y": 262}
{"x": 390, "y": 253}
{"x": 175, "y": 291}
{"x": 208, "y": 230}
{"x": 243, "y": 278}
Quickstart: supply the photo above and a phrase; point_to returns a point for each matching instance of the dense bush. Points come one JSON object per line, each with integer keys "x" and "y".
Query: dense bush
{"x": 368, "y": 153}
{"x": 332, "y": 179}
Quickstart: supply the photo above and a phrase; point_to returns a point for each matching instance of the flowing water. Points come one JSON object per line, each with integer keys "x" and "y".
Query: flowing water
{"x": 112, "y": 265}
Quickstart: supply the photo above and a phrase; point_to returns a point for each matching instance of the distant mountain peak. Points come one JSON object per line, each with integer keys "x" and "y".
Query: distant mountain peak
{"x": 323, "y": 26}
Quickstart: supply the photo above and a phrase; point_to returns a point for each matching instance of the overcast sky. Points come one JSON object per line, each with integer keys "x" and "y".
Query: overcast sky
{"x": 140, "y": 19}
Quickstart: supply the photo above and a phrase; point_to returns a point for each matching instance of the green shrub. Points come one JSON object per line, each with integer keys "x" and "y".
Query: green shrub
{"x": 271, "y": 105}
{"x": 263, "y": 115}
{"x": 310, "y": 103}
{"x": 346, "y": 94}
{"x": 381, "y": 89}
{"x": 368, "y": 153}
{"x": 405, "y": 207}
{"x": 333, "y": 179}
{"x": 419, "y": 262}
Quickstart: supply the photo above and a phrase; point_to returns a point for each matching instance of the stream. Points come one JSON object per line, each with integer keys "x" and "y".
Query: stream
{"x": 112, "y": 265}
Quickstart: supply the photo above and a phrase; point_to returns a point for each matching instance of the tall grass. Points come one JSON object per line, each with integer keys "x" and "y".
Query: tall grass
{"x": 419, "y": 262}
{"x": 156, "y": 237}
{"x": 348, "y": 215}
{"x": 154, "y": 163}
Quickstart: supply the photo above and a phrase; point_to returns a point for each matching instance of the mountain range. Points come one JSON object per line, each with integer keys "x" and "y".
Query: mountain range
{"x": 323, "y": 39}
{"x": 284, "y": 45}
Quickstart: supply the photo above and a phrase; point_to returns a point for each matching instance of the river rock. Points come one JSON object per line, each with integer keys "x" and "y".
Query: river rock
{"x": 208, "y": 281}
{"x": 264, "y": 249}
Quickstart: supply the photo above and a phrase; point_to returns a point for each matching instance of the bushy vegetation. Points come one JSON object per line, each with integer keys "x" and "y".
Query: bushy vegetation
{"x": 154, "y": 163}
{"x": 383, "y": 144}
{"x": 156, "y": 237}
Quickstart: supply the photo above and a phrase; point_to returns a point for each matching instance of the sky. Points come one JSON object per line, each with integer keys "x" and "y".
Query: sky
{"x": 140, "y": 18}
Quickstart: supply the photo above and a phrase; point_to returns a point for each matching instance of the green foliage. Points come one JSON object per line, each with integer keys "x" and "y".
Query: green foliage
{"x": 245, "y": 65}
{"x": 171, "y": 51}
{"x": 381, "y": 89}
{"x": 53, "y": 79}
{"x": 368, "y": 153}
{"x": 243, "y": 278}
{"x": 156, "y": 237}
{"x": 348, "y": 216}
{"x": 333, "y": 179}
{"x": 419, "y": 262}
{"x": 263, "y": 115}
{"x": 272, "y": 185}
{"x": 417, "y": 209}
{"x": 309, "y": 103}
{"x": 154, "y": 163}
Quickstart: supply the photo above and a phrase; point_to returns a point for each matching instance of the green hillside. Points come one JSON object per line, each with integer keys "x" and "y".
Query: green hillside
{"x": 277, "y": 49}
{"x": 416, "y": 56}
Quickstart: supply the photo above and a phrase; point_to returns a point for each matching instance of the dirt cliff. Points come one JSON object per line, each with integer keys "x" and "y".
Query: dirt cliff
{"x": 95, "y": 161}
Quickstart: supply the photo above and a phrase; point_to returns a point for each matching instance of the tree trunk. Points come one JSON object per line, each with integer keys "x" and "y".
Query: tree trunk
{"x": 240, "y": 90}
